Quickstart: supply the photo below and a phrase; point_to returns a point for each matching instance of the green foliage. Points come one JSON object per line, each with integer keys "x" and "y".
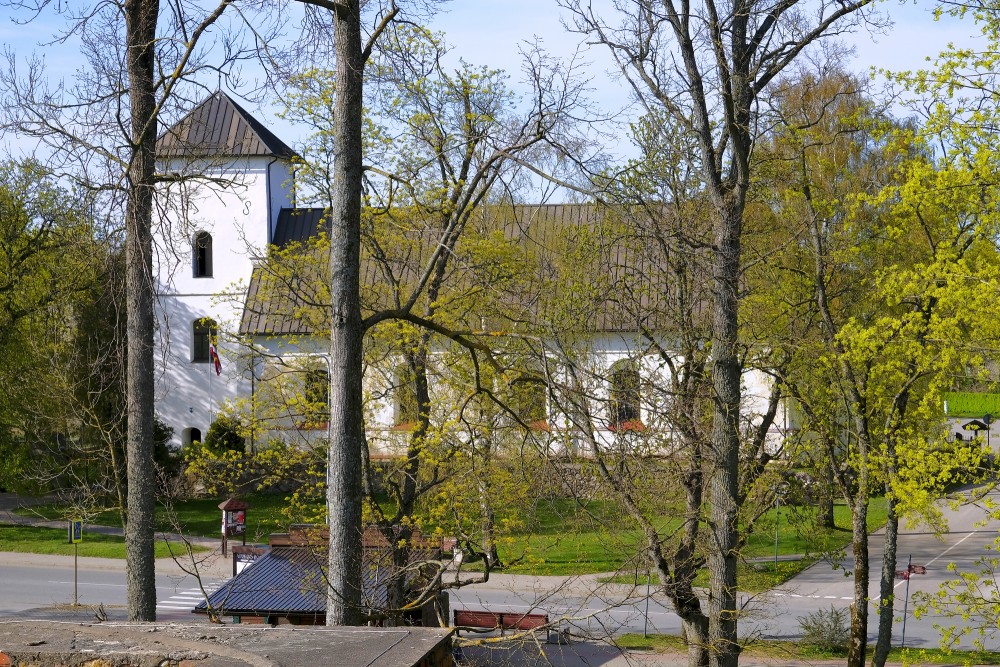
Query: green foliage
{"x": 225, "y": 435}
{"x": 827, "y": 629}
{"x": 276, "y": 467}
{"x": 971, "y": 404}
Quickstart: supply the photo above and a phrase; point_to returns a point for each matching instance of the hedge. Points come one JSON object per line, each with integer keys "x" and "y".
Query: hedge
{"x": 971, "y": 404}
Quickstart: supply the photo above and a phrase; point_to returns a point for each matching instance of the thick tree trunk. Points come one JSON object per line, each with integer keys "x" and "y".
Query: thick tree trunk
{"x": 859, "y": 607}
{"x": 887, "y": 589}
{"x": 140, "y": 569}
{"x": 696, "y": 635}
{"x": 725, "y": 446}
{"x": 344, "y": 472}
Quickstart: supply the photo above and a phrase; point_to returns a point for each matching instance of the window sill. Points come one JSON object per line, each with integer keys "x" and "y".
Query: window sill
{"x": 406, "y": 427}
{"x": 313, "y": 426}
{"x": 631, "y": 425}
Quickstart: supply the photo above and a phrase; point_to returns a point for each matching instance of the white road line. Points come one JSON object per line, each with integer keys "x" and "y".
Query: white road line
{"x": 940, "y": 556}
{"x": 87, "y": 583}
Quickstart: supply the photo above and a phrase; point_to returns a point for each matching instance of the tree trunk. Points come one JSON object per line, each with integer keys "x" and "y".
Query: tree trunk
{"x": 344, "y": 471}
{"x": 859, "y": 607}
{"x": 826, "y": 502}
{"x": 696, "y": 635}
{"x": 140, "y": 569}
{"x": 724, "y": 483}
{"x": 887, "y": 589}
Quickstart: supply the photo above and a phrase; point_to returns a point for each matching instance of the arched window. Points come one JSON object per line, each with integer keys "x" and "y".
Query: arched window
{"x": 192, "y": 435}
{"x": 407, "y": 412}
{"x": 624, "y": 404}
{"x": 202, "y": 252}
{"x": 317, "y": 397}
{"x": 529, "y": 400}
{"x": 203, "y": 333}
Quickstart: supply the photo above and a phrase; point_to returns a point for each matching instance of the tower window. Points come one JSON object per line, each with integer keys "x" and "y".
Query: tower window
{"x": 204, "y": 331}
{"x": 202, "y": 252}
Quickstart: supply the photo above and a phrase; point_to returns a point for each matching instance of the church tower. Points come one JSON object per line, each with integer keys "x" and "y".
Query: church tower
{"x": 227, "y": 177}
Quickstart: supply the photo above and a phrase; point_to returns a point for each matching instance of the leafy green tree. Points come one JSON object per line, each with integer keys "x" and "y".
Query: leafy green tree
{"x": 100, "y": 131}
{"x": 48, "y": 271}
{"x": 439, "y": 145}
{"x": 897, "y": 249}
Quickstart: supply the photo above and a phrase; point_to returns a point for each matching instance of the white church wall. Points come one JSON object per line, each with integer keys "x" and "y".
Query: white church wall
{"x": 237, "y": 209}
{"x": 594, "y": 357}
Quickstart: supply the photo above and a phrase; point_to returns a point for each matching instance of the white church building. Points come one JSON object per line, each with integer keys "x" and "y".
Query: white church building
{"x": 235, "y": 178}
{"x": 232, "y": 201}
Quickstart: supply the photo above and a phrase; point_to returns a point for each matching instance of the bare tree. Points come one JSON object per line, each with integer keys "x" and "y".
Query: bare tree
{"x": 707, "y": 67}
{"x": 100, "y": 132}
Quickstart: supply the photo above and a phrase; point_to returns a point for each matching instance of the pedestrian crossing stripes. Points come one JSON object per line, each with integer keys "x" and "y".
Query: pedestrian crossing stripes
{"x": 186, "y": 600}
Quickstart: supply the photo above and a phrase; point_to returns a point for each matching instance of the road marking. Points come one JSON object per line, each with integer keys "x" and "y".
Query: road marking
{"x": 186, "y": 600}
{"x": 939, "y": 556}
{"x": 87, "y": 583}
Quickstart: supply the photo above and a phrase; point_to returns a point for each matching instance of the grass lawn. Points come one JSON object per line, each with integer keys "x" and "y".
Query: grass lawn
{"x": 799, "y": 651}
{"x": 199, "y": 517}
{"x": 560, "y": 537}
{"x": 568, "y": 538}
{"x": 31, "y": 539}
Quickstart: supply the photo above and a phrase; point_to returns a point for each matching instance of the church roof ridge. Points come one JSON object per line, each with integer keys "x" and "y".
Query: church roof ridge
{"x": 219, "y": 126}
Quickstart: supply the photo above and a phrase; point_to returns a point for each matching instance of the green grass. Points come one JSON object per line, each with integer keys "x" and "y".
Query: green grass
{"x": 35, "y": 540}
{"x": 798, "y": 651}
{"x": 199, "y": 517}
{"x": 966, "y": 404}
{"x": 569, "y": 539}
{"x": 560, "y": 537}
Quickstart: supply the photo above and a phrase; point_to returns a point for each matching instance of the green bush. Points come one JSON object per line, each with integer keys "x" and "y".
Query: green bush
{"x": 971, "y": 404}
{"x": 225, "y": 435}
{"x": 826, "y": 629}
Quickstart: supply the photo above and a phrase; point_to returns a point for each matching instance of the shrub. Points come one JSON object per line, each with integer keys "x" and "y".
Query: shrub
{"x": 826, "y": 629}
{"x": 225, "y": 435}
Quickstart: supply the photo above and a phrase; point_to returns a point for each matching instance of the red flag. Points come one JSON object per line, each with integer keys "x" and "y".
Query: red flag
{"x": 213, "y": 357}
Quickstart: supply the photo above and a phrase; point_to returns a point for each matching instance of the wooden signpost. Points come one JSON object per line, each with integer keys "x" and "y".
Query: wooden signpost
{"x": 234, "y": 521}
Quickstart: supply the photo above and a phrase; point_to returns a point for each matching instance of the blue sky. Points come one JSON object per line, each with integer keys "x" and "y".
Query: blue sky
{"x": 491, "y": 32}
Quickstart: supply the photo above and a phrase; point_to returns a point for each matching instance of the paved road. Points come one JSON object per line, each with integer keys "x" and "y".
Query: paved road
{"x": 774, "y": 614}
{"x": 30, "y": 581}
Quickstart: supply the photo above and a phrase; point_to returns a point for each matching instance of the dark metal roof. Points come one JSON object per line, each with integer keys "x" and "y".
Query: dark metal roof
{"x": 622, "y": 280}
{"x": 298, "y": 225}
{"x": 220, "y": 127}
{"x": 288, "y": 581}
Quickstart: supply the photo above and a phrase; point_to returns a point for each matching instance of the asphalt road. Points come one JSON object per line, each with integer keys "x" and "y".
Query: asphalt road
{"x": 30, "y": 581}
{"x": 775, "y": 614}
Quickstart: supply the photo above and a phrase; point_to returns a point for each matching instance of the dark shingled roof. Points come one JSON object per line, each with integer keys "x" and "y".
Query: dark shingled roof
{"x": 298, "y": 225}
{"x": 220, "y": 127}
